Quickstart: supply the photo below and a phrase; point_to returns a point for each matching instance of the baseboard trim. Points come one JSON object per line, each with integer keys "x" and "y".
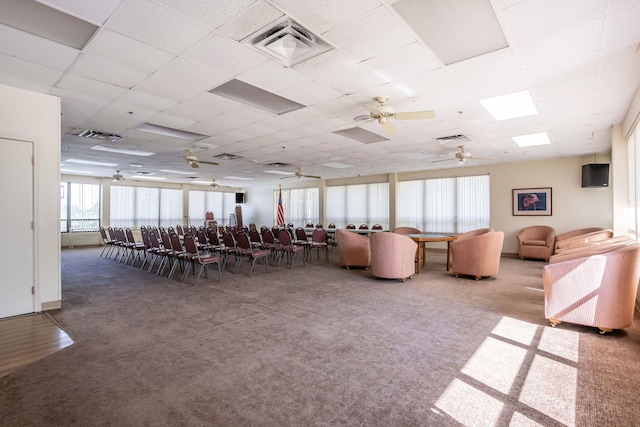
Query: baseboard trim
{"x": 51, "y": 305}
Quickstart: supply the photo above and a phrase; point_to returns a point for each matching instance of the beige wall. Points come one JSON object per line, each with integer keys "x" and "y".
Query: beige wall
{"x": 30, "y": 116}
{"x": 572, "y": 206}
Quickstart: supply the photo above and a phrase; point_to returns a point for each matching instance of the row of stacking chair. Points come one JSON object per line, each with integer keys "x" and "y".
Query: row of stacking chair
{"x": 363, "y": 227}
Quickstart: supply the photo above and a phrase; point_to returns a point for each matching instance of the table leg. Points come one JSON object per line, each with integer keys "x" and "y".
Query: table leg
{"x": 448, "y": 255}
{"x": 420, "y": 255}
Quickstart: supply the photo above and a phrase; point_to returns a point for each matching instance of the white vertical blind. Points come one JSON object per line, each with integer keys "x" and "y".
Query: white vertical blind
{"x": 221, "y": 204}
{"x": 136, "y": 206}
{"x": 445, "y": 205}
{"x": 358, "y": 204}
{"x": 80, "y": 207}
{"x": 634, "y": 181}
{"x": 301, "y": 206}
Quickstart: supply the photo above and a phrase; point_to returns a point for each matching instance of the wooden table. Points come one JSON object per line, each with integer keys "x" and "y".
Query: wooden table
{"x": 423, "y": 238}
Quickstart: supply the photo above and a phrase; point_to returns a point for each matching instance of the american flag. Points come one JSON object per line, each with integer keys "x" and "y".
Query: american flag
{"x": 280, "y": 209}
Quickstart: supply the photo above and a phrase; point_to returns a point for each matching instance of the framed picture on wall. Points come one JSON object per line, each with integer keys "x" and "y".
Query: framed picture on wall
{"x": 531, "y": 201}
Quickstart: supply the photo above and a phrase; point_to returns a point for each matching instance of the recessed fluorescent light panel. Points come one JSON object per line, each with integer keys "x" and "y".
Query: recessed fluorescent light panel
{"x": 338, "y": 165}
{"x": 155, "y": 178}
{"x": 123, "y": 151}
{"x": 167, "y": 131}
{"x": 256, "y": 97}
{"x": 43, "y": 21}
{"x": 511, "y": 106}
{"x": 240, "y": 178}
{"x": 173, "y": 171}
{"x": 532, "y": 140}
{"x": 90, "y": 162}
{"x": 454, "y": 30}
{"x": 76, "y": 172}
{"x": 361, "y": 135}
{"x": 279, "y": 172}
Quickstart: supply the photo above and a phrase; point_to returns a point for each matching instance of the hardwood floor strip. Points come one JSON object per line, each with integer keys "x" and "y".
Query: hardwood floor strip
{"x": 27, "y": 339}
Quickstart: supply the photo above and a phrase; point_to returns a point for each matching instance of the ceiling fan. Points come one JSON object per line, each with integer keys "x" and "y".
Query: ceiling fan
{"x": 462, "y": 156}
{"x": 214, "y": 184}
{"x": 194, "y": 162}
{"x": 117, "y": 177}
{"x": 300, "y": 174}
{"x": 382, "y": 113}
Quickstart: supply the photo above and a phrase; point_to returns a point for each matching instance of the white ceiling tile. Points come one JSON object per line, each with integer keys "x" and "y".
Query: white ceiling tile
{"x": 104, "y": 122}
{"x": 35, "y": 49}
{"x": 106, "y": 71}
{"x": 330, "y": 62}
{"x": 210, "y": 13}
{"x": 350, "y": 37}
{"x": 88, "y": 103}
{"x": 338, "y": 106}
{"x": 214, "y": 104}
{"x": 561, "y": 45}
{"x": 485, "y": 67}
{"x": 80, "y": 84}
{"x": 563, "y": 69}
{"x": 127, "y": 51}
{"x": 499, "y": 85}
{"x": 146, "y": 100}
{"x": 622, "y": 28}
{"x": 254, "y": 18}
{"x": 169, "y": 89}
{"x": 29, "y": 71}
{"x": 94, "y": 11}
{"x": 310, "y": 93}
{"x": 128, "y": 110}
{"x": 224, "y": 54}
{"x": 193, "y": 74}
{"x": 272, "y": 77}
{"x": 567, "y": 87}
{"x": 527, "y": 20}
{"x": 351, "y": 80}
{"x": 196, "y": 114}
{"x": 156, "y": 25}
{"x": 168, "y": 120}
{"x": 325, "y": 15}
{"x": 425, "y": 84}
{"x": 13, "y": 81}
{"x": 403, "y": 62}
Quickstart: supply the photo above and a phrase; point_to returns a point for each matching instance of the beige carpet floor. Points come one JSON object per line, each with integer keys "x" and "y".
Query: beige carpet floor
{"x": 320, "y": 345}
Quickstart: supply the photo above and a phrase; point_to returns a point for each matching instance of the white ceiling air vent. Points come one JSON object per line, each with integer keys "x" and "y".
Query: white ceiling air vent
{"x": 287, "y": 42}
{"x": 100, "y": 135}
{"x": 456, "y": 138}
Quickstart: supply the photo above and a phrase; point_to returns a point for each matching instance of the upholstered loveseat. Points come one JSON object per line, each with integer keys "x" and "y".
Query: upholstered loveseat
{"x": 593, "y": 287}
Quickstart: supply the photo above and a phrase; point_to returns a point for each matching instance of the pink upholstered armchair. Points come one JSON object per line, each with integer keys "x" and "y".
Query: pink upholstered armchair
{"x": 354, "y": 249}
{"x": 477, "y": 253}
{"x": 536, "y": 242}
{"x": 392, "y": 256}
{"x": 596, "y": 290}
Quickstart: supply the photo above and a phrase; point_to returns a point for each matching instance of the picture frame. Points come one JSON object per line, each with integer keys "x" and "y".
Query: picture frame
{"x": 531, "y": 201}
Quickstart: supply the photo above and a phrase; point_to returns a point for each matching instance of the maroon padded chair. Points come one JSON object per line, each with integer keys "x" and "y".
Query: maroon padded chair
{"x": 287, "y": 247}
{"x": 246, "y": 249}
{"x": 319, "y": 241}
{"x": 194, "y": 257}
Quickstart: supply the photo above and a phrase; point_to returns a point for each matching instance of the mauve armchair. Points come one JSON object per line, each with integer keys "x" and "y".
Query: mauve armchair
{"x": 392, "y": 256}
{"x": 477, "y": 253}
{"x": 596, "y": 290}
{"x": 354, "y": 249}
{"x": 536, "y": 242}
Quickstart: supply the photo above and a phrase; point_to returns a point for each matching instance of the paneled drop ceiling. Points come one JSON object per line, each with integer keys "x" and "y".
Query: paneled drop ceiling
{"x": 171, "y": 63}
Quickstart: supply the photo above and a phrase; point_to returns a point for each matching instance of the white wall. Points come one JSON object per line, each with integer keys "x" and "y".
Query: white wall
{"x": 35, "y": 117}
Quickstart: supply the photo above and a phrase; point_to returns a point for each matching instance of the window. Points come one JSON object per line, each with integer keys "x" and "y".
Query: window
{"x": 358, "y": 204}
{"x": 445, "y": 205}
{"x": 300, "y": 206}
{"x": 79, "y": 207}
{"x": 136, "y": 206}
{"x": 221, "y": 204}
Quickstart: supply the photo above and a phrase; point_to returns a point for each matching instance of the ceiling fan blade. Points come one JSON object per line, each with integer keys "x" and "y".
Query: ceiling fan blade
{"x": 208, "y": 163}
{"x": 444, "y": 160}
{"x": 312, "y": 176}
{"x": 388, "y": 127}
{"x": 193, "y": 164}
{"x": 373, "y": 110}
{"x": 482, "y": 158}
{"x": 415, "y": 115}
{"x": 287, "y": 177}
